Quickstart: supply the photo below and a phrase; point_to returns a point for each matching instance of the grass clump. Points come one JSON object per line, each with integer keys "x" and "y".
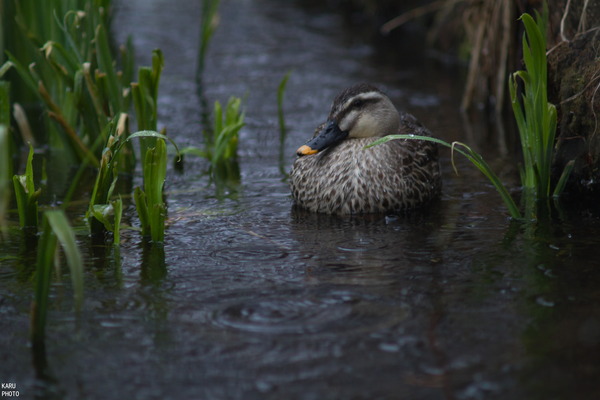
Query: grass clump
{"x": 535, "y": 116}
{"x": 149, "y": 201}
{"x": 223, "y": 145}
{"x": 105, "y": 210}
{"x": 60, "y": 57}
{"x": 64, "y": 60}
{"x": 221, "y": 142}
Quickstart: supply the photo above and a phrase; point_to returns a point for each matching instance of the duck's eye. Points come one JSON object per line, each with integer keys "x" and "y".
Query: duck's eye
{"x": 358, "y": 103}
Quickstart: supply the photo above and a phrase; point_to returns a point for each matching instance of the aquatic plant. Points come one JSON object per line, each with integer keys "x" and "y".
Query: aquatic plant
{"x": 281, "y": 120}
{"x": 55, "y": 230}
{"x": 145, "y": 99}
{"x": 66, "y": 63}
{"x": 226, "y": 131}
{"x": 535, "y": 116}
{"x": 5, "y": 153}
{"x": 5, "y": 172}
{"x": 103, "y": 211}
{"x": 149, "y": 202}
{"x": 208, "y": 24}
{"x": 27, "y": 195}
{"x": 68, "y": 66}
{"x": 221, "y": 142}
{"x": 5, "y": 103}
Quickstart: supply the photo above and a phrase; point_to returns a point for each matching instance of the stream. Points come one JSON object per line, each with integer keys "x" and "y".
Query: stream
{"x": 251, "y": 298}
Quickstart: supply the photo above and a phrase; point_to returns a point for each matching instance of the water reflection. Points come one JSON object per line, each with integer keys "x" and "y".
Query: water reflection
{"x": 47, "y": 387}
{"x": 153, "y": 266}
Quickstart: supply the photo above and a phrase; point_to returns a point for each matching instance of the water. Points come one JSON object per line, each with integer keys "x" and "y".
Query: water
{"x": 252, "y": 299}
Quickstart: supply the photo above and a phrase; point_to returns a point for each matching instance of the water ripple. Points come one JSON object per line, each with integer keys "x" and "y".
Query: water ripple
{"x": 292, "y": 314}
{"x": 239, "y": 254}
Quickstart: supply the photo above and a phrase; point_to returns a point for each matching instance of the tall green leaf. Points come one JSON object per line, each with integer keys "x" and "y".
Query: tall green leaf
{"x": 56, "y": 230}
{"x": 26, "y": 195}
{"x": 5, "y": 172}
{"x": 66, "y": 237}
{"x": 535, "y": 116}
{"x": 475, "y": 158}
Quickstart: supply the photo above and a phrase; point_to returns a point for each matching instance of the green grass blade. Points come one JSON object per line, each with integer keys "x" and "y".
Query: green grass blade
{"x": 102, "y": 213}
{"x": 66, "y": 237}
{"x": 5, "y": 172}
{"x": 141, "y": 205}
{"x": 45, "y": 261}
{"x": 280, "y": 113}
{"x": 208, "y": 25}
{"x": 26, "y": 195}
{"x": 564, "y": 177}
{"x": 65, "y": 63}
{"x": 157, "y": 223}
{"x": 5, "y": 150}
{"x": 5, "y": 103}
{"x": 118, "y": 211}
{"x": 217, "y": 118}
{"x": 106, "y": 65}
{"x": 195, "y": 151}
{"x": 472, "y": 156}
{"x": 56, "y": 229}
{"x": 158, "y": 63}
{"x": 24, "y": 74}
{"x": 155, "y": 172}
{"x": 281, "y": 120}
{"x": 154, "y": 178}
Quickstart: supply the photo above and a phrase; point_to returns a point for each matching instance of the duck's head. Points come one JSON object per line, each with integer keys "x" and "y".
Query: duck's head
{"x": 360, "y": 111}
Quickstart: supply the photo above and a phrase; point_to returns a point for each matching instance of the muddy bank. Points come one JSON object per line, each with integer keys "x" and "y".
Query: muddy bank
{"x": 573, "y": 84}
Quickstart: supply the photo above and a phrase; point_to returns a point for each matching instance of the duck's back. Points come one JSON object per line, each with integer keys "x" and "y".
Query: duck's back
{"x": 349, "y": 178}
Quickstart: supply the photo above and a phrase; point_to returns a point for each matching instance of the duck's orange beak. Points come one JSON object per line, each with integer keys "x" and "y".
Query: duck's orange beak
{"x": 306, "y": 151}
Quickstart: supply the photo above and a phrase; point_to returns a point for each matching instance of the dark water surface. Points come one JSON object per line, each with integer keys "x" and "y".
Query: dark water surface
{"x": 251, "y": 299}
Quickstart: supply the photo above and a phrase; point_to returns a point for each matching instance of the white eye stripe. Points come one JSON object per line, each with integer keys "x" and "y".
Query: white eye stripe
{"x": 348, "y": 120}
{"x": 363, "y": 96}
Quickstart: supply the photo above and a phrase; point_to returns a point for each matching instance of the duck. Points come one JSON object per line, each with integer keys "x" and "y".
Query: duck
{"x": 335, "y": 172}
